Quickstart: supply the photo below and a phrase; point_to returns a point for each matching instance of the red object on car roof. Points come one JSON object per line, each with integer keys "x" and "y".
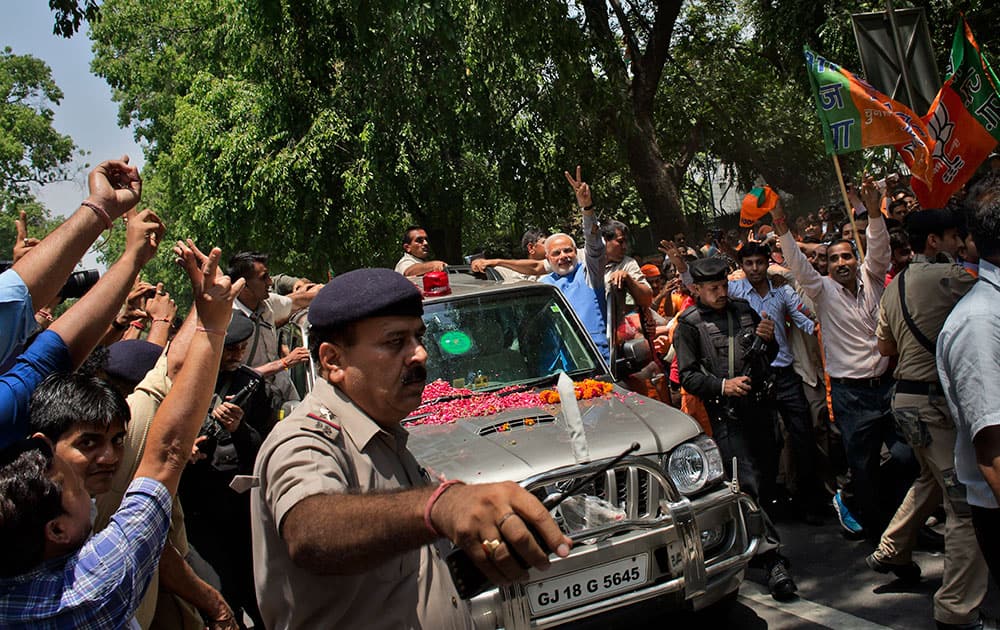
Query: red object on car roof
{"x": 436, "y": 283}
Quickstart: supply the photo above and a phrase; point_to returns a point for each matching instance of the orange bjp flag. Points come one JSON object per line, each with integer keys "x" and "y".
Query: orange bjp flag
{"x": 757, "y": 203}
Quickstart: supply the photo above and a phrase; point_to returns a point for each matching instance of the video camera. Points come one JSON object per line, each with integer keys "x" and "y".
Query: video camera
{"x": 78, "y": 283}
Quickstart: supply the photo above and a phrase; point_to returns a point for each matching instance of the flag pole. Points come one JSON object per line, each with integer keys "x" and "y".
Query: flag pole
{"x": 848, "y": 208}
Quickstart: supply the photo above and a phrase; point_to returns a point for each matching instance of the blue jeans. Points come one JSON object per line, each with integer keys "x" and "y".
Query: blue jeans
{"x": 864, "y": 416}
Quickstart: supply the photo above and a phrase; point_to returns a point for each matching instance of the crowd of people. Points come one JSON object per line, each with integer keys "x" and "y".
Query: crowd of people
{"x": 159, "y": 471}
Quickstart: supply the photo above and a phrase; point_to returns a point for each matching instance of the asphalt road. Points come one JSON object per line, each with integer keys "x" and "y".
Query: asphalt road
{"x": 836, "y": 589}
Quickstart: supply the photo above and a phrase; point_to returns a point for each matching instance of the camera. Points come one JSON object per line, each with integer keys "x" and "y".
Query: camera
{"x": 78, "y": 283}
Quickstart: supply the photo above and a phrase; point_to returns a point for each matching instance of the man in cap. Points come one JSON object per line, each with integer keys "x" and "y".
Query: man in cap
{"x": 416, "y": 252}
{"x": 718, "y": 342}
{"x": 913, "y": 310}
{"x": 778, "y": 304}
{"x": 347, "y": 527}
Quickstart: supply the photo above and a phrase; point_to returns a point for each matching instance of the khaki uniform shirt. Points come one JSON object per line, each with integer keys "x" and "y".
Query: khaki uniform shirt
{"x": 143, "y": 403}
{"x": 338, "y": 450}
{"x": 407, "y": 261}
{"x": 932, "y": 290}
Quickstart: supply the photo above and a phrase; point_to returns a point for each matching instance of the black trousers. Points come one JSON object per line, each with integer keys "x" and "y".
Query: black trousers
{"x": 986, "y": 521}
{"x": 750, "y": 438}
{"x": 790, "y": 401}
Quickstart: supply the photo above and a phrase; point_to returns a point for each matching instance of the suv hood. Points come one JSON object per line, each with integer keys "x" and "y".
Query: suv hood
{"x": 537, "y": 441}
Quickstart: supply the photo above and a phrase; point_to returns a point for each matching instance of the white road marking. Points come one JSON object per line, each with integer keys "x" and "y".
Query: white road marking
{"x": 807, "y": 610}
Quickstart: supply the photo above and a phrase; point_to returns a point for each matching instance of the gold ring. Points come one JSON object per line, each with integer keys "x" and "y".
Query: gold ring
{"x": 491, "y": 546}
{"x": 26, "y": 242}
{"x": 503, "y": 519}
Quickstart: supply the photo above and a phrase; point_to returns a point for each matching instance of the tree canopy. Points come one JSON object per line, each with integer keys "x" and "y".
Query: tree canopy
{"x": 32, "y": 152}
{"x": 317, "y": 131}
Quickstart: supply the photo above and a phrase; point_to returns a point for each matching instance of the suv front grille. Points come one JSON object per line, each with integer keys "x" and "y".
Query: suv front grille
{"x": 629, "y": 487}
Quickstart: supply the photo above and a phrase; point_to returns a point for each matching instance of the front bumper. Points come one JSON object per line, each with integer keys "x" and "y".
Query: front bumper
{"x": 682, "y": 570}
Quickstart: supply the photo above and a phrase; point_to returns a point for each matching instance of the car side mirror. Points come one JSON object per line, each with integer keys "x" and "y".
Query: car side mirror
{"x": 634, "y": 356}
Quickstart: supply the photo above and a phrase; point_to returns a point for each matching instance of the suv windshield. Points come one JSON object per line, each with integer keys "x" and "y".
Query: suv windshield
{"x": 491, "y": 341}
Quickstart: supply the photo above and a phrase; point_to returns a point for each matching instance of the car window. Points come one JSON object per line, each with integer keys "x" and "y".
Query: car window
{"x": 492, "y": 341}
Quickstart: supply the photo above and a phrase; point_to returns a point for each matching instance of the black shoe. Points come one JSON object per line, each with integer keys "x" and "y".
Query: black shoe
{"x": 909, "y": 573}
{"x": 780, "y": 582}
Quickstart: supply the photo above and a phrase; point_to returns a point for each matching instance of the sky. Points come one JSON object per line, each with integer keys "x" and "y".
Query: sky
{"x": 86, "y": 113}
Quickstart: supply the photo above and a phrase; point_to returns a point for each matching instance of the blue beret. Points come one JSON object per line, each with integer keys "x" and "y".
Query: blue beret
{"x": 709, "y": 269}
{"x": 240, "y": 329}
{"x": 129, "y": 360}
{"x": 364, "y": 293}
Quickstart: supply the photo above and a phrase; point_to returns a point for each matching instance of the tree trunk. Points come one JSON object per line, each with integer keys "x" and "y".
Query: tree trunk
{"x": 655, "y": 180}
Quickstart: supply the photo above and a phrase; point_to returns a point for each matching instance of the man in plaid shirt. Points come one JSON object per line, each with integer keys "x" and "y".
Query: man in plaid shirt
{"x": 51, "y": 575}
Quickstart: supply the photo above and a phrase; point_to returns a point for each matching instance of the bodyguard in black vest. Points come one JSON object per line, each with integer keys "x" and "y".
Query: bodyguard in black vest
{"x": 724, "y": 350}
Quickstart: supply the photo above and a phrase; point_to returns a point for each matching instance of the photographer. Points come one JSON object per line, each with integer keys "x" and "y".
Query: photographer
{"x": 724, "y": 350}
{"x": 218, "y": 517}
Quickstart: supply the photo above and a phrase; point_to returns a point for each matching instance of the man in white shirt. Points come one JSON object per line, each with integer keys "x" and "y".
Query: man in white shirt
{"x": 968, "y": 361}
{"x": 847, "y": 302}
{"x": 416, "y": 251}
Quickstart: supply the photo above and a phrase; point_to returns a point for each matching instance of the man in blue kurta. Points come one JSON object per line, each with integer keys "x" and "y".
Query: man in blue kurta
{"x": 582, "y": 282}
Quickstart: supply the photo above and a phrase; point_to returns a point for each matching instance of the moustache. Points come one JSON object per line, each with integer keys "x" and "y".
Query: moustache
{"x": 416, "y": 374}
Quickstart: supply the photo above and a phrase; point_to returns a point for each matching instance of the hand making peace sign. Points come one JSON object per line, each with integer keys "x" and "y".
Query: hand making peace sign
{"x": 581, "y": 188}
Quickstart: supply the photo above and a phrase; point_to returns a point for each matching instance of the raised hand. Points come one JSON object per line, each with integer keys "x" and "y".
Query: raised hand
{"x": 160, "y": 306}
{"x": 871, "y": 196}
{"x": 673, "y": 254}
{"x": 23, "y": 244}
{"x": 145, "y": 231}
{"x": 670, "y": 250}
{"x": 581, "y": 188}
{"x": 213, "y": 292}
{"x": 115, "y": 186}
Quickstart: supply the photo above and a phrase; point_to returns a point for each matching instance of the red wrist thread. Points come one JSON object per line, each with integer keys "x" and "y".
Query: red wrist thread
{"x": 431, "y": 501}
{"x": 101, "y": 212}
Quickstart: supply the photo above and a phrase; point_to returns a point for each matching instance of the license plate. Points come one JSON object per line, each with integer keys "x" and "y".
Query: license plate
{"x": 587, "y": 585}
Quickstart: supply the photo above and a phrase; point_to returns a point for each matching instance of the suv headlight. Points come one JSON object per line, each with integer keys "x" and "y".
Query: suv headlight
{"x": 695, "y": 464}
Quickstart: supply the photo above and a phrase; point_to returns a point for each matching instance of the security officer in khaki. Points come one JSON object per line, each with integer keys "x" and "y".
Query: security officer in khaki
{"x": 347, "y": 528}
{"x": 913, "y": 310}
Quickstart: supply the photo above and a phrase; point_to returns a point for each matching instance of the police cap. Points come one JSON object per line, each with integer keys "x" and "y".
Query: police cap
{"x": 708, "y": 270}
{"x": 240, "y": 329}
{"x": 129, "y": 360}
{"x": 921, "y": 224}
{"x": 364, "y": 293}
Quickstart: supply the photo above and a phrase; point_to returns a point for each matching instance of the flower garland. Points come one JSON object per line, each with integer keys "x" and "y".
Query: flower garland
{"x": 585, "y": 390}
{"x": 469, "y": 404}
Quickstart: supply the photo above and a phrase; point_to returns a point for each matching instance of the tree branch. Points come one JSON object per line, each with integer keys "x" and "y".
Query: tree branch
{"x": 631, "y": 44}
{"x": 657, "y": 50}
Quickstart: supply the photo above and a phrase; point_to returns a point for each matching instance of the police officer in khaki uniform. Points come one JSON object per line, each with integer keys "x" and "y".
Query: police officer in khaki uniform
{"x": 347, "y": 527}
{"x": 913, "y": 310}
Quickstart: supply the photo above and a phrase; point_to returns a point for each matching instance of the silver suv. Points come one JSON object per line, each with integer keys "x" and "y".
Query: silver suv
{"x": 662, "y": 524}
